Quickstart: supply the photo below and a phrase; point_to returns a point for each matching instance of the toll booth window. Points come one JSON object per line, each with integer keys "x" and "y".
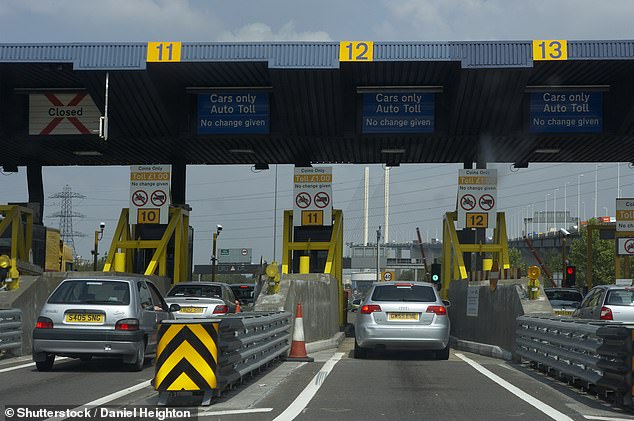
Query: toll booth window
{"x": 414, "y": 293}
{"x": 205, "y": 291}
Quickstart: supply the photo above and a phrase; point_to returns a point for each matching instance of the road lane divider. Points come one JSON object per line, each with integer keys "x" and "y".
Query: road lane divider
{"x": 536, "y": 403}
{"x": 302, "y": 400}
{"x": 17, "y": 367}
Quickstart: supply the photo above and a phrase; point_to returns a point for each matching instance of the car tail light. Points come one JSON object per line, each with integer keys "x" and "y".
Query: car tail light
{"x": 223, "y": 309}
{"x": 244, "y": 286}
{"x": 606, "y": 314}
{"x": 403, "y": 285}
{"x": 438, "y": 310}
{"x": 370, "y": 308}
{"x": 127, "y": 324}
{"x": 44, "y": 323}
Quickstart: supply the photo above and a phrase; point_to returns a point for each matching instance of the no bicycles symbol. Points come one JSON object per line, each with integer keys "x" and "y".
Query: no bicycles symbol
{"x": 629, "y": 246}
{"x": 139, "y": 198}
{"x": 303, "y": 200}
{"x": 467, "y": 202}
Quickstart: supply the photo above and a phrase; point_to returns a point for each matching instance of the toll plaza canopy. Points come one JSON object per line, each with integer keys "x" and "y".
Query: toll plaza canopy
{"x": 316, "y": 102}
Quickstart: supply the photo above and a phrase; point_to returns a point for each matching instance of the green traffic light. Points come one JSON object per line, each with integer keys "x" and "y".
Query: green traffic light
{"x": 434, "y": 277}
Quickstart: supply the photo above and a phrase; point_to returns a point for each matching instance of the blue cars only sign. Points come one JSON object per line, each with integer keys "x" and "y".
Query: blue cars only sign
{"x": 233, "y": 113}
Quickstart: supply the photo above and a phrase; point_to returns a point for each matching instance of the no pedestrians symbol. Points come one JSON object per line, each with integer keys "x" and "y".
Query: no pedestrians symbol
{"x": 303, "y": 200}
{"x": 139, "y": 198}
{"x": 486, "y": 202}
{"x": 322, "y": 199}
{"x": 158, "y": 198}
{"x": 467, "y": 202}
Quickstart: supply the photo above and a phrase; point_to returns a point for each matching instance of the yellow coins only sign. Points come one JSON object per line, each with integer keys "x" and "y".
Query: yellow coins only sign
{"x": 356, "y": 51}
{"x": 550, "y": 49}
{"x": 163, "y": 52}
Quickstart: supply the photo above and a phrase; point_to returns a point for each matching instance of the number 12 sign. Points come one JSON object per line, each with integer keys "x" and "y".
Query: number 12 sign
{"x": 356, "y": 51}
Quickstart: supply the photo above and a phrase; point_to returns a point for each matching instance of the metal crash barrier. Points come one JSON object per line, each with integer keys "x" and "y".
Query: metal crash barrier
{"x": 204, "y": 357}
{"x": 597, "y": 355}
{"x": 10, "y": 329}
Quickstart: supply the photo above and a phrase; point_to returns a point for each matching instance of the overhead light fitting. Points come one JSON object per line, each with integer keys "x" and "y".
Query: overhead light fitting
{"x": 550, "y": 151}
{"x": 87, "y": 153}
{"x": 523, "y": 164}
{"x": 260, "y": 166}
{"x": 9, "y": 168}
{"x": 393, "y": 151}
{"x": 241, "y": 151}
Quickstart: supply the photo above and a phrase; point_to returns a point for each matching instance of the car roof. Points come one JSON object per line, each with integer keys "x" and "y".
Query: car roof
{"x": 196, "y": 283}
{"x": 562, "y": 289}
{"x": 107, "y": 279}
{"x": 418, "y": 283}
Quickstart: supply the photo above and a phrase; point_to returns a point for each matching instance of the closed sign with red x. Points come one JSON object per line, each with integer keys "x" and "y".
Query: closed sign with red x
{"x": 63, "y": 114}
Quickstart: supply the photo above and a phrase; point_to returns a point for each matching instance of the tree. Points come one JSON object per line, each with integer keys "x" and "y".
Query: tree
{"x": 603, "y": 257}
{"x": 516, "y": 260}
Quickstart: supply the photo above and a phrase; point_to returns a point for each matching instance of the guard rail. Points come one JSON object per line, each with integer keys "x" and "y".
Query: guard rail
{"x": 221, "y": 352}
{"x": 10, "y": 329}
{"x": 595, "y": 352}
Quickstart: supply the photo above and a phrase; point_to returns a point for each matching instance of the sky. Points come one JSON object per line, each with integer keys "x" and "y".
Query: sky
{"x": 243, "y": 201}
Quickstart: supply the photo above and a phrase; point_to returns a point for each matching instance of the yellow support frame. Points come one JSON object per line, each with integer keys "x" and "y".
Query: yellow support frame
{"x": 21, "y": 221}
{"x": 177, "y": 227}
{"x": 455, "y": 261}
{"x": 334, "y": 260}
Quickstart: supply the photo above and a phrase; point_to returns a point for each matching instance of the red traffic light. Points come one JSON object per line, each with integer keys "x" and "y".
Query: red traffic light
{"x": 570, "y": 270}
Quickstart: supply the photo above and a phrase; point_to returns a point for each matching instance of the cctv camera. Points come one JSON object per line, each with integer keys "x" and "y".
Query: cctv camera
{"x": 102, "y": 225}
{"x": 564, "y": 232}
{"x": 219, "y": 227}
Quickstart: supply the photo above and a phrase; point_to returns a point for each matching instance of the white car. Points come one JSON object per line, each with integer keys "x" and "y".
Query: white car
{"x": 201, "y": 299}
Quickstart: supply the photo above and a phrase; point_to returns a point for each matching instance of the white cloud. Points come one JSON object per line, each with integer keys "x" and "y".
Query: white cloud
{"x": 262, "y": 32}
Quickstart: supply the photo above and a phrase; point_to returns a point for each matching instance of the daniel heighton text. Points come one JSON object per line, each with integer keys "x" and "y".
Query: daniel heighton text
{"x": 38, "y": 412}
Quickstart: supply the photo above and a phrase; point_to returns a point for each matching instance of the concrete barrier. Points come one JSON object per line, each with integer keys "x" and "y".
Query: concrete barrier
{"x": 496, "y": 311}
{"x": 34, "y": 291}
{"x": 318, "y": 294}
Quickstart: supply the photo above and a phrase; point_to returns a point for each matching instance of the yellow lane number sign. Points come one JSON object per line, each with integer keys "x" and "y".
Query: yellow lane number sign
{"x": 477, "y": 220}
{"x": 312, "y": 217}
{"x": 163, "y": 52}
{"x": 550, "y": 49}
{"x": 356, "y": 51}
{"x": 148, "y": 216}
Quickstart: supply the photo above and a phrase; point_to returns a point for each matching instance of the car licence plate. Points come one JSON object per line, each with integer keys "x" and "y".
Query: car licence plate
{"x": 564, "y": 312}
{"x": 84, "y": 318}
{"x": 402, "y": 316}
{"x": 192, "y": 310}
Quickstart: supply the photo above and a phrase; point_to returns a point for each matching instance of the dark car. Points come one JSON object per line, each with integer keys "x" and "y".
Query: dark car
{"x": 243, "y": 293}
{"x": 564, "y": 301}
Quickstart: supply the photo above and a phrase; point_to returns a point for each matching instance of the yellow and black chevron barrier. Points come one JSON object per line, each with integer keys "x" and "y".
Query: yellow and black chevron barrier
{"x": 186, "y": 357}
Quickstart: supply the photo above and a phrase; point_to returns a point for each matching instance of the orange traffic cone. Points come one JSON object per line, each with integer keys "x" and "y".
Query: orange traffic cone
{"x": 237, "y": 306}
{"x": 298, "y": 346}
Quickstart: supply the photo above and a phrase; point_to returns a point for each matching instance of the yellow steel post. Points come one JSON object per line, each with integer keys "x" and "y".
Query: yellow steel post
{"x": 161, "y": 248}
{"x": 117, "y": 237}
{"x": 287, "y": 238}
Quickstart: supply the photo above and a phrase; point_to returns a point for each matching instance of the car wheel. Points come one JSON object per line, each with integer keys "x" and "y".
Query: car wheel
{"x": 140, "y": 358}
{"x": 47, "y": 364}
{"x": 359, "y": 351}
{"x": 443, "y": 354}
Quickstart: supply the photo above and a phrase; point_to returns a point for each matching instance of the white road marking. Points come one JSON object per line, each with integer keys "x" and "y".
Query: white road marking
{"x": 298, "y": 405}
{"x": 594, "y": 417}
{"x": 546, "y": 409}
{"x": 17, "y": 367}
{"x": 234, "y": 412}
{"x": 108, "y": 398}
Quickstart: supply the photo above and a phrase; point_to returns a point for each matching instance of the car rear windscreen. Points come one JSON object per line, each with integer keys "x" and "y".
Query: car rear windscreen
{"x": 91, "y": 292}
{"x": 620, "y": 297}
{"x": 202, "y": 291}
{"x": 564, "y": 295}
{"x": 415, "y": 293}
{"x": 242, "y": 292}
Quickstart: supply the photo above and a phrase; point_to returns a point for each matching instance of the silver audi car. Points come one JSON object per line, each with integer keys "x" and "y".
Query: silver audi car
{"x": 402, "y": 315}
{"x": 100, "y": 317}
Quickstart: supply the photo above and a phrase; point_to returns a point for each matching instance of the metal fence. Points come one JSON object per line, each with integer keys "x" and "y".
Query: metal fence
{"x": 10, "y": 329}
{"x": 596, "y": 353}
{"x": 244, "y": 343}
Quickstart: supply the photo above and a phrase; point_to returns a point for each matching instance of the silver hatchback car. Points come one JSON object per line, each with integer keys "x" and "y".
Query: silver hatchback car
{"x": 201, "y": 299}
{"x": 101, "y": 317}
{"x": 607, "y": 302}
{"x": 402, "y": 315}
